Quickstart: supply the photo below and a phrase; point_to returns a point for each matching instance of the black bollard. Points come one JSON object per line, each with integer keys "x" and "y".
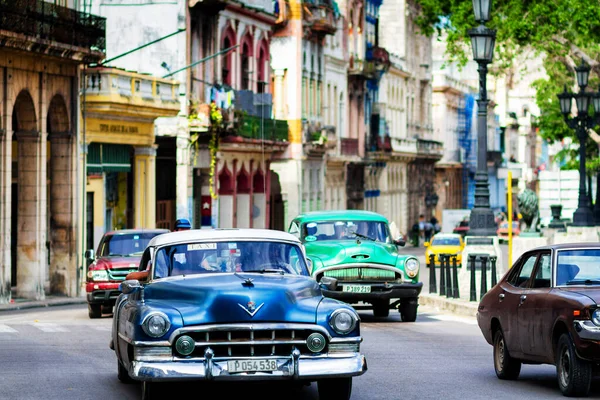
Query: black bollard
{"x": 483, "y": 291}
{"x": 493, "y": 265}
{"x": 442, "y": 275}
{"x": 448, "y": 277}
{"x": 455, "y": 292}
{"x": 432, "y": 277}
{"x": 472, "y": 259}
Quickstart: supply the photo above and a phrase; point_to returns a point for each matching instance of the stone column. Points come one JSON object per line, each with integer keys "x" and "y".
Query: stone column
{"x": 30, "y": 244}
{"x": 279, "y": 110}
{"x": 144, "y": 183}
{"x": 181, "y": 177}
{"x": 5, "y": 216}
{"x": 63, "y": 261}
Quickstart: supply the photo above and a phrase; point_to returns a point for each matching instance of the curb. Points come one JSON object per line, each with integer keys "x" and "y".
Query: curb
{"x": 459, "y": 307}
{"x": 42, "y": 303}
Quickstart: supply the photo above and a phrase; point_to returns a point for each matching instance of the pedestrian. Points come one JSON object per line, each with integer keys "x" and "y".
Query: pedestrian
{"x": 436, "y": 225}
{"x": 422, "y": 226}
{"x": 182, "y": 224}
{"x": 428, "y": 230}
{"x": 415, "y": 234}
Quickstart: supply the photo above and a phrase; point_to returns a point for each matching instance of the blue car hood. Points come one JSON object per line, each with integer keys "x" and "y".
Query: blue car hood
{"x": 224, "y": 298}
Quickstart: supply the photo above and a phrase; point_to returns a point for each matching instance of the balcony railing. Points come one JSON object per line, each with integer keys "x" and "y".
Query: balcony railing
{"x": 43, "y": 20}
{"x": 252, "y": 127}
{"x": 430, "y": 147}
{"x": 349, "y": 147}
{"x": 320, "y": 16}
{"x": 404, "y": 145}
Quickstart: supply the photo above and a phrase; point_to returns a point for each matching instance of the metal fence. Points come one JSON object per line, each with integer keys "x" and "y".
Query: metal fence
{"x": 449, "y": 283}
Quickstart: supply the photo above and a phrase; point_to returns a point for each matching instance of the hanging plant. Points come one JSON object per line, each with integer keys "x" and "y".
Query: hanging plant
{"x": 216, "y": 119}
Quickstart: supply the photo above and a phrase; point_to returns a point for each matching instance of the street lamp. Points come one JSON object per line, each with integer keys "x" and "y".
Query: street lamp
{"x": 583, "y": 121}
{"x": 481, "y": 222}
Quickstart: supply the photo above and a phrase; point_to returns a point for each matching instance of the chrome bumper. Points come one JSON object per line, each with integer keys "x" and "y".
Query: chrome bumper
{"x": 294, "y": 367}
{"x": 587, "y": 330}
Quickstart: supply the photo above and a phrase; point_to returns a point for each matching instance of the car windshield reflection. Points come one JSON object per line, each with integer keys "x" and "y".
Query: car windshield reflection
{"x": 346, "y": 230}
{"x": 578, "y": 267}
{"x": 126, "y": 245}
{"x": 235, "y": 256}
{"x": 445, "y": 242}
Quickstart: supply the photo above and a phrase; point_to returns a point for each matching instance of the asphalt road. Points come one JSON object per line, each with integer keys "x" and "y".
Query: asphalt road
{"x": 58, "y": 353}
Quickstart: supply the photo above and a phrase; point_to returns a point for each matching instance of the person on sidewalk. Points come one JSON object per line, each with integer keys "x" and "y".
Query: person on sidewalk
{"x": 182, "y": 224}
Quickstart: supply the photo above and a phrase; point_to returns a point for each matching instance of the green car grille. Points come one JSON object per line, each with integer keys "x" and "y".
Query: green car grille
{"x": 359, "y": 274}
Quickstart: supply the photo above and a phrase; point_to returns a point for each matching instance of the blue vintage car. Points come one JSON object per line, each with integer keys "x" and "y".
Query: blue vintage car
{"x": 233, "y": 304}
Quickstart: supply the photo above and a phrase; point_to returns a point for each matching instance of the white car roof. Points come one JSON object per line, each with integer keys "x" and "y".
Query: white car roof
{"x": 199, "y": 235}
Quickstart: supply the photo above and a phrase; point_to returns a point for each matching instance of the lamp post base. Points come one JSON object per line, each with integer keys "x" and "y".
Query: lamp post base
{"x": 583, "y": 216}
{"x": 482, "y": 222}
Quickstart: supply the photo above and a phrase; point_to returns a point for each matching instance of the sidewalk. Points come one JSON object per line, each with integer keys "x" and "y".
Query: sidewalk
{"x": 49, "y": 301}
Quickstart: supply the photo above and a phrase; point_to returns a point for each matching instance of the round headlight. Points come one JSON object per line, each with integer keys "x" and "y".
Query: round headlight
{"x": 596, "y": 317}
{"x": 316, "y": 342}
{"x": 412, "y": 267}
{"x": 343, "y": 321}
{"x": 156, "y": 324}
{"x": 185, "y": 345}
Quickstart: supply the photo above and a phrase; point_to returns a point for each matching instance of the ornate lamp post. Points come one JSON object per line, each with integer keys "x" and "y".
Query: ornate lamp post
{"x": 483, "y": 39}
{"x": 583, "y": 216}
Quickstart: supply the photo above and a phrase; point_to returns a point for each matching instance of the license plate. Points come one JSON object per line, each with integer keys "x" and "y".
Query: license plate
{"x": 356, "y": 288}
{"x": 251, "y": 366}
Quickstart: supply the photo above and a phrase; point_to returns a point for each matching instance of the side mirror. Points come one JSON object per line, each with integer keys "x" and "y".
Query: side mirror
{"x": 89, "y": 254}
{"x": 400, "y": 242}
{"x": 328, "y": 283}
{"x": 310, "y": 265}
{"x": 130, "y": 286}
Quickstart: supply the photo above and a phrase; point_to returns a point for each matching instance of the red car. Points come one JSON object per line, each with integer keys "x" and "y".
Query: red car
{"x": 118, "y": 254}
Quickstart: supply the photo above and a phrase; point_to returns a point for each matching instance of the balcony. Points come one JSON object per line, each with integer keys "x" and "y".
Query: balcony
{"x": 361, "y": 68}
{"x": 116, "y": 91}
{"x": 349, "y": 147}
{"x": 404, "y": 145}
{"x": 43, "y": 27}
{"x": 321, "y": 17}
{"x": 256, "y": 128}
{"x": 430, "y": 149}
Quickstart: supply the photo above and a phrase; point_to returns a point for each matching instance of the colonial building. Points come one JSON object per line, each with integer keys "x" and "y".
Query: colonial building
{"x": 231, "y": 120}
{"x": 119, "y": 109}
{"x": 40, "y": 212}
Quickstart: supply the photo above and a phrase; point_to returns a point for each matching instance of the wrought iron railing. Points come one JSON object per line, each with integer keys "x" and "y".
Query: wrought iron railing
{"x": 48, "y": 21}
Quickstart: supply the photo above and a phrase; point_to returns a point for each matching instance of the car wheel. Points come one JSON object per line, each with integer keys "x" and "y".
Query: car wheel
{"x": 107, "y": 309}
{"x": 506, "y": 367}
{"x": 574, "y": 374}
{"x": 94, "y": 310}
{"x": 122, "y": 373}
{"x": 408, "y": 311}
{"x": 149, "y": 390}
{"x": 381, "y": 308}
{"x": 335, "y": 389}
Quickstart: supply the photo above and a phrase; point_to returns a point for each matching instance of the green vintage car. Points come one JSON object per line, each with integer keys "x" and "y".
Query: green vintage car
{"x": 354, "y": 256}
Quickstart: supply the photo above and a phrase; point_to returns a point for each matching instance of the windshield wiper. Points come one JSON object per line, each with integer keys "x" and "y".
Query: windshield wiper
{"x": 266, "y": 271}
{"x": 584, "y": 281}
{"x": 360, "y": 235}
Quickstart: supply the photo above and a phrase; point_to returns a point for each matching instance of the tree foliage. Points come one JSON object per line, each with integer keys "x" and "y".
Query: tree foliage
{"x": 561, "y": 31}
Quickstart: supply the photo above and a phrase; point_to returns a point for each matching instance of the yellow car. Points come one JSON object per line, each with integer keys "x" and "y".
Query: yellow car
{"x": 445, "y": 243}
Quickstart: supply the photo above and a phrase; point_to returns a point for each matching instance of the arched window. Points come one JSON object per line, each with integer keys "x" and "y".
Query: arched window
{"x": 227, "y": 64}
{"x": 246, "y": 67}
{"x": 262, "y": 66}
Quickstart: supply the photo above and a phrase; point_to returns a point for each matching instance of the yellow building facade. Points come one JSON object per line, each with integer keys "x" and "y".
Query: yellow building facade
{"x": 118, "y": 113}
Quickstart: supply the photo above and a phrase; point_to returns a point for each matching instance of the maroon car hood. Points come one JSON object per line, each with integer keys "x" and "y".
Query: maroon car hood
{"x": 593, "y": 292}
{"x": 117, "y": 263}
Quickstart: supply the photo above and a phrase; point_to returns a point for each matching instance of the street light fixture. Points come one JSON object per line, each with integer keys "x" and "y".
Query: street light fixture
{"x": 483, "y": 40}
{"x": 581, "y": 122}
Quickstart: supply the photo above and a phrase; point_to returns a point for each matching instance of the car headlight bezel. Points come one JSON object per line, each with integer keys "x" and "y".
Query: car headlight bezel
{"x": 596, "y": 317}
{"x": 99, "y": 275}
{"x": 411, "y": 267}
{"x": 334, "y": 321}
{"x": 150, "y": 318}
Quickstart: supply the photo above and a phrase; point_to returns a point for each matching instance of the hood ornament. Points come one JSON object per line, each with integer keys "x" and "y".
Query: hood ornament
{"x": 251, "y": 308}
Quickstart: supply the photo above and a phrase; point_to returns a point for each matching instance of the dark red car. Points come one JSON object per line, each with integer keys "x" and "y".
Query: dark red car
{"x": 546, "y": 310}
{"x": 118, "y": 254}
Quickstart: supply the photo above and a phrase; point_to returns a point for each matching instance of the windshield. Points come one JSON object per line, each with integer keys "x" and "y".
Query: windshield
{"x": 126, "y": 245}
{"x": 445, "y": 242}
{"x": 578, "y": 267}
{"x": 238, "y": 256}
{"x": 346, "y": 230}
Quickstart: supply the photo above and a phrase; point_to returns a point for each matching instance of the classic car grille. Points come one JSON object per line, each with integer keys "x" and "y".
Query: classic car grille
{"x": 363, "y": 274}
{"x": 119, "y": 274}
{"x": 249, "y": 343}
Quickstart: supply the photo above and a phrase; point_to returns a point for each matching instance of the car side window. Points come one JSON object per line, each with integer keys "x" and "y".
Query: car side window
{"x": 295, "y": 229}
{"x": 145, "y": 262}
{"x": 543, "y": 272}
{"x": 520, "y": 278}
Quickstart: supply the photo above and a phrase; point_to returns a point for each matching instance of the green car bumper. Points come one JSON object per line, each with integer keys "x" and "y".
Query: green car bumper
{"x": 379, "y": 291}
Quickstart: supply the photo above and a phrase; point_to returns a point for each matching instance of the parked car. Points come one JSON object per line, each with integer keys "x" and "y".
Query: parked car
{"x": 237, "y": 305}
{"x": 462, "y": 228}
{"x": 444, "y": 243}
{"x": 356, "y": 248}
{"x": 119, "y": 253}
{"x": 546, "y": 310}
{"x": 503, "y": 229}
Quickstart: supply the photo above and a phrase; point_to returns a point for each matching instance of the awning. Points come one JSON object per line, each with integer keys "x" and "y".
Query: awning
{"x": 108, "y": 158}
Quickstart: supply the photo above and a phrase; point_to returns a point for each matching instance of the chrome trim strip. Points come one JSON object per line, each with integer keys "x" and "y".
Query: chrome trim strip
{"x": 249, "y": 327}
{"x": 251, "y": 343}
{"x": 350, "y": 340}
{"x": 589, "y": 330}
{"x": 162, "y": 343}
{"x": 361, "y": 265}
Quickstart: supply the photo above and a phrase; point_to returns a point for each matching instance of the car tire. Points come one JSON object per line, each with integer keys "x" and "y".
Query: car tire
{"x": 94, "y": 311}
{"x": 122, "y": 373}
{"x": 335, "y": 389}
{"x": 574, "y": 374}
{"x": 381, "y": 308}
{"x": 507, "y": 368}
{"x": 150, "y": 390}
{"x": 408, "y": 311}
{"x": 107, "y": 309}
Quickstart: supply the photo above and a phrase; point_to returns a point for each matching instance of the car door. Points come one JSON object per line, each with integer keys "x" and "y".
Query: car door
{"x": 510, "y": 298}
{"x": 534, "y": 313}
